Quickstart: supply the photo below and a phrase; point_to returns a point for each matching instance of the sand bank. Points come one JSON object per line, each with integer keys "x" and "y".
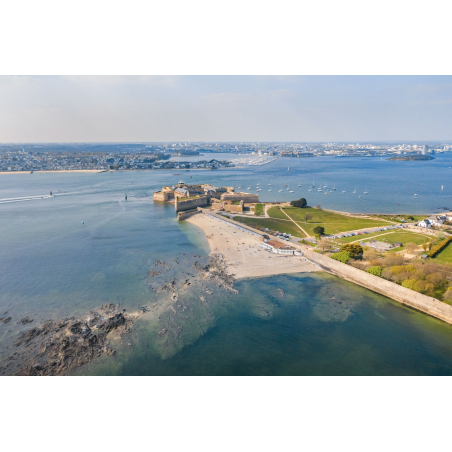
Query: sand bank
{"x": 242, "y": 252}
{"x": 52, "y": 171}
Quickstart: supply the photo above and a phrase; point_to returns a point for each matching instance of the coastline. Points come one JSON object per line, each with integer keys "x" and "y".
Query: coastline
{"x": 244, "y": 257}
{"x": 52, "y": 171}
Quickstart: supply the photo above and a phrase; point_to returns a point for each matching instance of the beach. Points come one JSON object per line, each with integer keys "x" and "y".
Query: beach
{"x": 244, "y": 257}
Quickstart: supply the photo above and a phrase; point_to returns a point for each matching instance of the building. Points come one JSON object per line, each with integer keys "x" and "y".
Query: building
{"x": 279, "y": 248}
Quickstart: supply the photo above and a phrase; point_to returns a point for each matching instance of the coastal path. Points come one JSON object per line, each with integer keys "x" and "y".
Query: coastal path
{"x": 295, "y": 223}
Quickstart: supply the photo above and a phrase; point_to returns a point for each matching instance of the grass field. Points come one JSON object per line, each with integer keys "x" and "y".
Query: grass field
{"x": 272, "y": 223}
{"x": 259, "y": 209}
{"x": 445, "y": 256}
{"x": 391, "y": 237}
{"x": 332, "y": 222}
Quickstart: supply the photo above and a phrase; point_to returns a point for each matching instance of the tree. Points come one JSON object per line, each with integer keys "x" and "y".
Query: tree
{"x": 299, "y": 203}
{"x": 319, "y": 230}
{"x": 307, "y": 217}
{"x": 324, "y": 244}
{"x": 375, "y": 270}
{"x": 370, "y": 254}
{"x": 353, "y": 248}
{"x": 424, "y": 245}
{"x": 342, "y": 256}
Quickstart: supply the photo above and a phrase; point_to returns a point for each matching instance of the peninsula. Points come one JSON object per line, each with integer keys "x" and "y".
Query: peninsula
{"x": 386, "y": 254}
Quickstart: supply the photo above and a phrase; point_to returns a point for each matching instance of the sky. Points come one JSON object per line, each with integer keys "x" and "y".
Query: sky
{"x": 225, "y": 108}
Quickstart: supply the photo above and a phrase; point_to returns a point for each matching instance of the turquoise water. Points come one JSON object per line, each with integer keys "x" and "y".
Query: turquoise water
{"x": 52, "y": 265}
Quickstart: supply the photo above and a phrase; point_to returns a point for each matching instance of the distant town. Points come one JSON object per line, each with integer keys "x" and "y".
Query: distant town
{"x": 145, "y": 156}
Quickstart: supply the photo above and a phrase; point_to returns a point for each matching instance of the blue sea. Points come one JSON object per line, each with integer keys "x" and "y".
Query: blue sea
{"x": 88, "y": 246}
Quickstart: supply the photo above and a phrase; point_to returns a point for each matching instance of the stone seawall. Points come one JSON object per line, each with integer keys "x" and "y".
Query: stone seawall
{"x": 187, "y": 214}
{"x": 416, "y": 300}
{"x": 409, "y": 297}
{"x": 189, "y": 204}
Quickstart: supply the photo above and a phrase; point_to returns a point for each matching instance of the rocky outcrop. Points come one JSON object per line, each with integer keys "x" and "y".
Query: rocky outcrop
{"x": 58, "y": 347}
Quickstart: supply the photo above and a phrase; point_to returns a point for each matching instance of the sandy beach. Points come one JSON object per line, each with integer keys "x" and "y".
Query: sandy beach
{"x": 242, "y": 252}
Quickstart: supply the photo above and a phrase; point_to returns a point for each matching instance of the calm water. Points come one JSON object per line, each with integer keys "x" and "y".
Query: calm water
{"x": 52, "y": 265}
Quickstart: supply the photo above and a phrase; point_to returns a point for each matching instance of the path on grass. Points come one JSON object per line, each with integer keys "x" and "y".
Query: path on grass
{"x": 379, "y": 235}
{"x": 294, "y": 222}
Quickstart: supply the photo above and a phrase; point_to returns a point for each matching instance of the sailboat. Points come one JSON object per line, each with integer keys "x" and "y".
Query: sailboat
{"x": 366, "y": 192}
{"x": 442, "y": 187}
{"x": 280, "y": 190}
{"x": 320, "y": 189}
{"x": 343, "y": 191}
{"x": 249, "y": 188}
{"x": 334, "y": 188}
{"x": 288, "y": 168}
{"x": 312, "y": 186}
{"x": 355, "y": 190}
{"x": 291, "y": 191}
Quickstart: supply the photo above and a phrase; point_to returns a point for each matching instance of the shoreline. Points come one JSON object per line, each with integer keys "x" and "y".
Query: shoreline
{"x": 243, "y": 256}
{"x": 53, "y": 171}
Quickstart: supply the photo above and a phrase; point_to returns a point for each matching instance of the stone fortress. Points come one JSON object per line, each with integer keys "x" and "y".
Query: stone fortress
{"x": 188, "y": 197}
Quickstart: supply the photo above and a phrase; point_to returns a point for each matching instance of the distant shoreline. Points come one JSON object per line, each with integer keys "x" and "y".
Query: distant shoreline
{"x": 53, "y": 171}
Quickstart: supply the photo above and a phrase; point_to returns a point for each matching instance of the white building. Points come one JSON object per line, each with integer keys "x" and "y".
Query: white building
{"x": 280, "y": 248}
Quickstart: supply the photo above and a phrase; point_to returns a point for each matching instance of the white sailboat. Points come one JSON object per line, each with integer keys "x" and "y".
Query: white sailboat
{"x": 355, "y": 190}
{"x": 442, "y": 187}
{"x": 366, "y": 192}
{"x": 288, "y": 168}
{"x": 334, "y": 188}
{"x": 312, "y": 186}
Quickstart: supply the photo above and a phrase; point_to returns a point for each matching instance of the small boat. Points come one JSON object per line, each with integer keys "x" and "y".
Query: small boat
{"x": 416, "y": 194}
{"x": 288, "y": 168}
{"x": 343, "y": 191}
{"x": 366, "y": 192}
{"x": 310, "y": 189}
{"x": 320, "y": 189}
{"x": 334, "y": 188}
{"x": 355, "y": 190}
{"x": 249, "y": 188}
{"x": 442, "y": 186}
{"x": 312, "y": 186}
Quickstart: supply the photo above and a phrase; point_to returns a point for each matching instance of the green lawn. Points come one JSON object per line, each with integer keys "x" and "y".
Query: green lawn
{"x": 332, "y": 222}
{"x": 396, "y": 236}
{"x": 259, "y": 209}
{"x": 445, "y": 256}
{"x": 402, "y": 237}
{"x": 272, "y": 223}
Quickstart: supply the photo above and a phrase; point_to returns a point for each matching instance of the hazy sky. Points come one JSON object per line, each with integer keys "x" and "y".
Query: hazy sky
{"x": 225, "y": 108}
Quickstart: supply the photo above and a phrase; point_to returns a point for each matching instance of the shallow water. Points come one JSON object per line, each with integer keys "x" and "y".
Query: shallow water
{"x": 52, "y": 265}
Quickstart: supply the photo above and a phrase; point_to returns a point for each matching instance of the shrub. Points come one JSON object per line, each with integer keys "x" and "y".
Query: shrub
{"x": 352, "y": 248}
{"x": 437, "y": 248}
{"x": 342, "y": 256}
{"x": 396, "y": 269}
{"x": 299, "y": 203}
{"x": 448, "y": 294}
{"x": 375, "y": 270}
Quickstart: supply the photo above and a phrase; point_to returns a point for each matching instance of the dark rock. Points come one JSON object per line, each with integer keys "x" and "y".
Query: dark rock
{"x": 5, "y": 319}
{"x": 25, "y": 320}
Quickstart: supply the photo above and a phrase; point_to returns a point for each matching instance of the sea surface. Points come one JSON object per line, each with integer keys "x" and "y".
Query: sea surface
{"x": 88, "y": 246}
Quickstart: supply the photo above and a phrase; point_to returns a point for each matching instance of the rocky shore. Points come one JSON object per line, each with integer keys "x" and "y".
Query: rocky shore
{"x": 58, "y": 347}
